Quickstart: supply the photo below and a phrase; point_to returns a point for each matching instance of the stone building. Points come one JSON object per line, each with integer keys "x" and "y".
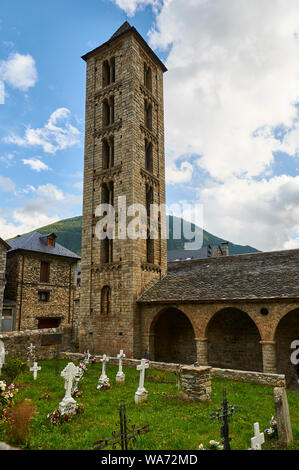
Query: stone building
{"x": 237, "y": 312}
{"x": 41, "y": 282}
{"x": 3, "y": 251}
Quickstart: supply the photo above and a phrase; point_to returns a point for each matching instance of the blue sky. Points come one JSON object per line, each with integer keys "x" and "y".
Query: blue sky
{"x": 232, "y": 86}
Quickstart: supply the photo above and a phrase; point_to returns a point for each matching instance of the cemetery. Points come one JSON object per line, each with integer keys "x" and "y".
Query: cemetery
{"x": 99, "y": 402}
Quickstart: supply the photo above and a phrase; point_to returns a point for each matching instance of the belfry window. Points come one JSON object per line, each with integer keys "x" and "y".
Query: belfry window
{"x": 108, "y": 71}
{"x": 108, "y": 153}
{"x": 147, "y": 77}
{"x": 108, "y": 111}
{"x": 148, "y": 156}
{"x": 148, "y": 112}
{"x": 106, "y": 300}
{"x": 108, "y": 193}
{"x": 149, "y": 199}
{"x": 150, "y": 248}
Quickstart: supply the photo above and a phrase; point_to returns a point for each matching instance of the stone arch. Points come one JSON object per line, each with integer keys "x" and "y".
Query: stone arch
{"x": 234, "y": 341}
{"x": 172, "y": 337}
{"x": 286, "y": 332}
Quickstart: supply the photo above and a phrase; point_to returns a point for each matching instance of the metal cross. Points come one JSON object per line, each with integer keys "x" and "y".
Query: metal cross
{"x": 223, "y": 414}
{"x": 125, "y": 436}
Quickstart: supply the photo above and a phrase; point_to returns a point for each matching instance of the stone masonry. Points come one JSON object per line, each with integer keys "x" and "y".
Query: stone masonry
{"x": 3, "y": 253}
{"x": 24, "y": 287}
{"x": 196, "y": 383}
{"x": 128, "y": 271}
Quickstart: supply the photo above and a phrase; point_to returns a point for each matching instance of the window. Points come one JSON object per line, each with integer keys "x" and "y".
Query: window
{"x": 108, "y": 111}
{"x": 148, "y": 77}
{"x": 149, "y": 199}
{"x": 106, "y": 300}
{"x": 148, "y": 115}
{"x": 51, "y": 240}
{"x": 148, "y": 156}
{"x": 107, "y": 250}
{"x": 150, "y": 249}
{"x": 44, "y": 271}
{"x": 108, "y": 193}
{"x": 44, "y": 296}
{"x": 108, "y": 153}
{"x": 108, "y": 71}
{"x": 48, "y": 323}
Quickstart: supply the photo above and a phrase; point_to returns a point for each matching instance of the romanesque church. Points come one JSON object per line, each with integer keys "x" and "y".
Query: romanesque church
{"x": 238, "y": 312}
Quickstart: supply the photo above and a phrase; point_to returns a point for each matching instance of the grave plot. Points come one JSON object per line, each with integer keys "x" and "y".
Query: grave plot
{"x": 173, "y": 424}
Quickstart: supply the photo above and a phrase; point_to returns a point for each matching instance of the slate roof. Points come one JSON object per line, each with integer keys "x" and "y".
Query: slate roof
{"x": 251, "y": 276}
{"x": 205, "y": 251}
{"x": 36, "y": 242}
{"x": 124, "y": 29}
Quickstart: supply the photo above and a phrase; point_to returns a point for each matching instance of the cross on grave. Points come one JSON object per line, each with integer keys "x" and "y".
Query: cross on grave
{"x": 258, "y": 439}
{"x": 35, "y": 369}
{"x": 125, "y": 436}
{"x": 141, "y": 394}
{"x": 68, "y": 404}
{"x": 103, "y": 378}
{"x": 120, "y": 376}
{"x": 2, "y": 355}
{"x": 31, "y": 353}
{"x": 223, "y": 414}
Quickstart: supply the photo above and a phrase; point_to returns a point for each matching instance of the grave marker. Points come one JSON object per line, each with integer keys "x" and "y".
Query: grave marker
{"x": 141, "y": 394}
{"x": 68, "y": 404}
{"x": 35, "y": 369}
{"x": 120, "y": 376}
{"x": 2, "y": 355}
{"x": 258, "y": 439}
{"x": 284, "y": 428}
{"x": 103, "y": 378}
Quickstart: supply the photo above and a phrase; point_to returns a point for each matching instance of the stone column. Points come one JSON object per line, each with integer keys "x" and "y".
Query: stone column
{"x": 196, "y": 383}
{"x": 269, "y": 356}
{"x": 202, "y": 351}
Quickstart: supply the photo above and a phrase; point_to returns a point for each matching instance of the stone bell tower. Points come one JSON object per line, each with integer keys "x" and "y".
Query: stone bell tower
{"x": 124, "y": 158}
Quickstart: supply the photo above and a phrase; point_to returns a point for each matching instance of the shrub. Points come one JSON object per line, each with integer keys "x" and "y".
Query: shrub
{"x": 12, "y": 369}
{"x": 18, "y": 423}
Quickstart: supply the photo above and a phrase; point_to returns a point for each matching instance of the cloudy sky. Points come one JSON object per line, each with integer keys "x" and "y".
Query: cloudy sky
{"x": 231, "y": 109}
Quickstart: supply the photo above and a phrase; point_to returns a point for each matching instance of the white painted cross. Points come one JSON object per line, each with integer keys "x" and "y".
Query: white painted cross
{"x": 120, "y": 376}
{"x": 2, "y": 355}
{"x": 31, "y": 350}
{"x": 103, "y": 361}
{"x": 142, "y": 367}
{"x": 35, "y": 369}
{"x": 69, "y": 373}
{"x": 258, "y": 439}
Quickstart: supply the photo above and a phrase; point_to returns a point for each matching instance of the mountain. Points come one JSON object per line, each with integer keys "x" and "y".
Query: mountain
{"x": 68, "y": 233}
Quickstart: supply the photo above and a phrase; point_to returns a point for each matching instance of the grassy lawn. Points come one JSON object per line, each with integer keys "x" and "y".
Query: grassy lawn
{"x": 174, "y": 425}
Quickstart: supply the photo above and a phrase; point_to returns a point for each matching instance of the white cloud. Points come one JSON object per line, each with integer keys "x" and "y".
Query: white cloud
{"x": 19, "y": 71}
{"x": 57, "y": 134}
{"x": 7, "y": 185}
{"x": 262, "y": 214}
{"x": 35, "y": 164}
{"x": 179, "y": 175}
{"x": 7, "y": 159}
{"x": 130, "y": 6}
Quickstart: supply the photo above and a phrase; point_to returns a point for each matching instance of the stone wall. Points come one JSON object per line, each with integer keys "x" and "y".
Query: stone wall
{"x": 3, "y": 251}
{"x": 196, "y": 383}
{"x": 16, "y": 342}
{"x": 23, "y": 287}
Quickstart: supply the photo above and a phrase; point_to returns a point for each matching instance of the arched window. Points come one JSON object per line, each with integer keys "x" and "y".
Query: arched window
{"x": 148, "y": 119}
{"x": 108, "y": 111}
{"x": 148, "y": 156}
{"x": 148, "y": 77}
{"x": 106, "y": 300}
{"x": 108, "y": 153}
{"x": 108, "y": 71}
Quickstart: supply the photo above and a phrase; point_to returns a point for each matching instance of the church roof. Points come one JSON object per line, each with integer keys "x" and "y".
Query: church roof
{"x": 124, "y": 29}
{"x": 269, "y": 275}
{"x": 35, "y": 241}
{"x": 205, "y": 251}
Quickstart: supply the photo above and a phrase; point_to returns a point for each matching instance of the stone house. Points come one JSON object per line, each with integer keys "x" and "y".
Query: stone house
{"x": 3, "y": 252}
{"x": 237, "y": 312}
{"x": 41, "y": 282}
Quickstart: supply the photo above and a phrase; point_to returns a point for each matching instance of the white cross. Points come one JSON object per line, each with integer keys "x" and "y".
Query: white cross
{"x": 35, "y": 369}
{"x": 142, "y": 367}
{"x": 103, "y": 361}
{"x": 258, "y": 439}
{"x": 2, "y": 355}
{"x": 31, "y": 349}
{"x": 69, "y": 373}
{"x": 120, "y": 357}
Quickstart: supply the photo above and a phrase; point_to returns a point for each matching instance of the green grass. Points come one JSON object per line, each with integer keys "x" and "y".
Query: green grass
{"x": 174, "y": 425}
